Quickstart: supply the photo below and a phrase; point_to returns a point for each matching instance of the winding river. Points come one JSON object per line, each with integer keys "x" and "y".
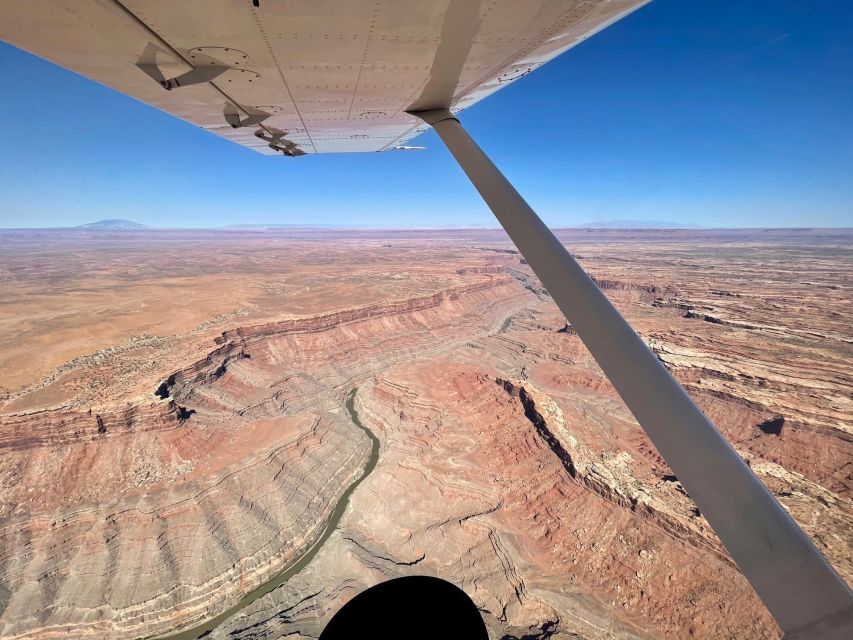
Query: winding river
{"x": 295, "y": 567}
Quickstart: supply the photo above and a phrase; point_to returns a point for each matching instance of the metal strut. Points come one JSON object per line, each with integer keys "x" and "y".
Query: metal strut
{"x": 797, "y": 585}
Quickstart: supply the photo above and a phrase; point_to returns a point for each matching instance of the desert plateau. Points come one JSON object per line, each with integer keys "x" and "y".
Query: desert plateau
{"x": 232, "y": 433}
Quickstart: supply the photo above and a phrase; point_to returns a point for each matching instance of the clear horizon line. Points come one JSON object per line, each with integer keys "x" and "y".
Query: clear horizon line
{"x": 279, "y": 226}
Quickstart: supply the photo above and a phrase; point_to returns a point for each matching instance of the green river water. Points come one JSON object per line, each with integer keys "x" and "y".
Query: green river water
{"x": 295, "y": 567}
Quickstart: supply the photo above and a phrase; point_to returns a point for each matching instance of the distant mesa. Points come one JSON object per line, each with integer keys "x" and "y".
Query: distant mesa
{"x": 638, "y": 224}
{"x": 258, "y": 227}
{"x": 277, "y": 225}
{"x": 114, "y": 223}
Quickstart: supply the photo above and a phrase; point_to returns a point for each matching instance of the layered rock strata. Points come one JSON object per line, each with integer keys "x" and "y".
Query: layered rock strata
{"x": 151, "y": 484}
{"x": 137, "y": 519}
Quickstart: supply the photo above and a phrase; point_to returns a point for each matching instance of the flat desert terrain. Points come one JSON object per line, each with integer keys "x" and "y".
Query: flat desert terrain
{"x": 235, "y": 432}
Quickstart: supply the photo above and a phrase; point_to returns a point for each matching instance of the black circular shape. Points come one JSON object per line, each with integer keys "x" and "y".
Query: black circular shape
{"x": 412, "y": 607}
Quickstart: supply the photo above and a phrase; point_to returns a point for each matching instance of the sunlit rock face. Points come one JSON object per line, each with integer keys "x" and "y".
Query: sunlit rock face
{"x": 151, "y": 478}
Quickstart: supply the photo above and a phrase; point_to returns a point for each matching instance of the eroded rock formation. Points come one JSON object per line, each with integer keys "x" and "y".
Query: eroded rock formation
{"x": 148, "y": 485}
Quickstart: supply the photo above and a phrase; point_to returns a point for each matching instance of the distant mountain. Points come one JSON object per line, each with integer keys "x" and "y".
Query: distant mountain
{"x": 638, "y": 224}
{"x": 114, "y": 224}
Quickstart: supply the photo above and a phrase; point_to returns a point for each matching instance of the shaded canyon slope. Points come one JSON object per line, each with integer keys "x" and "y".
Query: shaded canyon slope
{"x": 178, "y": 434}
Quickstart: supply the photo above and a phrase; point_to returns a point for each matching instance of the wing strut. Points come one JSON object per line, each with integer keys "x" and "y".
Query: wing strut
{"x": 798, "y": 586}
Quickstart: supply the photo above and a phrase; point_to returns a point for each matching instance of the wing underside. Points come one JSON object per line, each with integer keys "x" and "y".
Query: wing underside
{"x": 305, "y": 76}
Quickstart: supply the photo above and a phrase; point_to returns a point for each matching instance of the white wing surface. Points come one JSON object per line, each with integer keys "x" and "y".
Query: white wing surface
{"x": 304, "y": 76}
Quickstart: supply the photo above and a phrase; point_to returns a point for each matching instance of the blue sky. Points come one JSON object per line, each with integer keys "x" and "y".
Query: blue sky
{"x": 711, "y": 113}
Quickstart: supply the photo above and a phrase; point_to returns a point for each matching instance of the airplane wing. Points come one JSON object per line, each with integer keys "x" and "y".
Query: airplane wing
{"x": 304, "y": 76}
{"x": 321, "y": 76}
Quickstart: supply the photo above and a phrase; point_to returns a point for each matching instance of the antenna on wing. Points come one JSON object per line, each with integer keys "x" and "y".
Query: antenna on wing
{"x": 196, "y": 75}
{"x": 232, "y": 116}
{"x": 276, "y": 141}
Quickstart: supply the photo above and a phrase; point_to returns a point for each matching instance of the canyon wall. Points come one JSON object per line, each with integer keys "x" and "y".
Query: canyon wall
{"x": 161, "y": 481}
